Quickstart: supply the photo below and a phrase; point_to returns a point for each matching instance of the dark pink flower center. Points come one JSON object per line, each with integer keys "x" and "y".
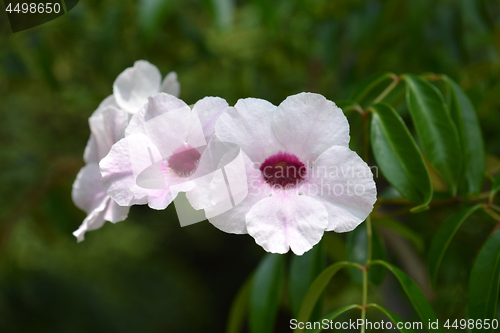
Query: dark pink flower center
{"x": 184, "y": 161}
{"x": 283, "y": 170}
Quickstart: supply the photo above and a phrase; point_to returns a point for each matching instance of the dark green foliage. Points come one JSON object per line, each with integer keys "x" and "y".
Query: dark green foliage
{"x": 398, "y": 157}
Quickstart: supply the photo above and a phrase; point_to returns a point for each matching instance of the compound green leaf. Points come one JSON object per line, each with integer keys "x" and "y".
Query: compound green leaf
{"x": 463, "y": 114}
{"x": 398, "y": 156}
{"x": 435, "y": 129}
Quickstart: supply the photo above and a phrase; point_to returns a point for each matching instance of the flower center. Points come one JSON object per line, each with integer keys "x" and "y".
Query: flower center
{"x": 283, "y": 170}
{"x": 184, "y": 161}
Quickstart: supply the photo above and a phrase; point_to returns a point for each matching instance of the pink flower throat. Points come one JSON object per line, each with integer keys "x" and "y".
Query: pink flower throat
{"x": 283, "y": 170}
{"x": 184, "y": 161}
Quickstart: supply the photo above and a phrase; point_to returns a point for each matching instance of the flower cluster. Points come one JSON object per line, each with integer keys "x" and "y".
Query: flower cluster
{"x": 283, "y": 174}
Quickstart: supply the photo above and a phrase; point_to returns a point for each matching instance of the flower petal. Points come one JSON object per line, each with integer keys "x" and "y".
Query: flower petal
{"x": 91, "y": 154}
{"x": 121, "y": 167}
{"x": 287, "y": 220}
{"x": 93, "y": 221}
{"x": 170, "y": 131}
{"x": 108, "y": 101}
{"x": 160, "y": 199}
{"x": 135, "y": 84}
{"x": 202, "y": 178}
{"x": 249, "y": 125}
{"x": 157, "y": 105}
{"x": 233, "y": 221}
{"x": 88, "y": 192}
{"x": 107, "y": 127}
{"x": 170, "y": 85}
{"x": 209, "y": 110}
{"x": 344, "y": 184}
{"x": 308, "y": 124}
{"x": 115, "y": 213}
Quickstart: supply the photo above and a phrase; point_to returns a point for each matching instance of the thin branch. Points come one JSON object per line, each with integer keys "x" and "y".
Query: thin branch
{"x": 389, "y": 88}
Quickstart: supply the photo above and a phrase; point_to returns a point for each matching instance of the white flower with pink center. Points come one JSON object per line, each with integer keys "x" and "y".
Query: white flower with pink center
{"x": 303, "y": 179}
{"x": 161, "y": 151}
{"x": 107, "y": 125}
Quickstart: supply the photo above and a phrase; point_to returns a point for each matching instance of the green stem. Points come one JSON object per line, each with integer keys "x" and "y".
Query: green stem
{"x": 495, "y": 207}
{"x": 365, "y": 271}
{"x": 369, "y": 234}
{"x": 366, "y": 153}
{"x": 491, "y": 213}
{"x": 387, "y": 90}
{"x": 432, "y": 77}
{"x": 365, "y": 298}
{"x": 356, "y": 108}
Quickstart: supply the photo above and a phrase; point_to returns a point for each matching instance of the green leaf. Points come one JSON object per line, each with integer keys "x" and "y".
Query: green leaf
{"x": 403, "y": 231}
{"x": 303, "y": 270}
{"x": 335, "y": 314}
{"x": 443, "y": 238}
{"x": 265, "y": 293}
{"x": 398, "y": 156}
{"x": 370, "y": 89}
{"x": 417, "y": 299}
{"x": 435, "y": 128}
{"x": 484, "y": 281}
{"x": 316, "y": 289}
{"x": 463, "y": 114}
{"x": 357, "y": 250}
{"x": 393, "y": 317}
{"x": 239, "y": 308}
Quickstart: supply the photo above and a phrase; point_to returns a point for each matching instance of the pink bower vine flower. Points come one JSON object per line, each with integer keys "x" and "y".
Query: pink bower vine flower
{"x": 107, "y": 126}
{"x": 303, "y": 179}
{"x": 161, "y": 151}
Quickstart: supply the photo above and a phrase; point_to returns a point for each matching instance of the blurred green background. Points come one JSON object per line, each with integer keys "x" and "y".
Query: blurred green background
{"x": 147, "y": 274}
